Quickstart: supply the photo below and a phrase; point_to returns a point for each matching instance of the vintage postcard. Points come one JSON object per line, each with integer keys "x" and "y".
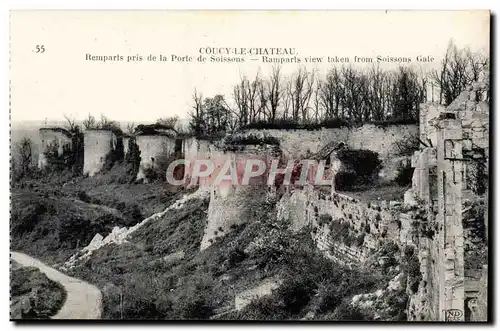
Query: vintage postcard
{"x": 250, "y": 165}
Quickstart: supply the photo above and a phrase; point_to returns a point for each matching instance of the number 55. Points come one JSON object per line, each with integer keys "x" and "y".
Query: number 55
{"x": 40, "y": 49}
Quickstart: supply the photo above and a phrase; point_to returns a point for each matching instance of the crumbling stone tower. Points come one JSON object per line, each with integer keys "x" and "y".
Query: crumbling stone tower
{"x": 98, "y": 143}
{"x": 53, "y": 137}
{"x": 155, "y": 142}
{"x": 231, "y": 205}
{"x": 451, "y": 238}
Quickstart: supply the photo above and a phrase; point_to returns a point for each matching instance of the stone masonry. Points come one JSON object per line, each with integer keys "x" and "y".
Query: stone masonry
{"x": 450, "y": 172}
{"x": 58, "y": 137}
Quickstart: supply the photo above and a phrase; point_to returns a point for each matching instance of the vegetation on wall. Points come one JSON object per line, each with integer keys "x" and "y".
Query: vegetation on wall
{"x": 22, "y": 160}
{"x": 133, "y": 158}
{"x": 404, "y": 174}
{"x": 361, "y": 168}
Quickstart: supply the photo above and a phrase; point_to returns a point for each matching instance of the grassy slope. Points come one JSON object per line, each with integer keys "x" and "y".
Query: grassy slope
{"x": 137, "y": 283}
{"x": 45, "y": 296}
{"x": 53, "y": 215}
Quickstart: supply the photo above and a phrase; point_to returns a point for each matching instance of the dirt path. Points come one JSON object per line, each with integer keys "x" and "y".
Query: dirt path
{"x": 84, "y": 301}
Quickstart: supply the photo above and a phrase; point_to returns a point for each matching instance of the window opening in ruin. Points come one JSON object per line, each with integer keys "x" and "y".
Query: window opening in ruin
{"x": 152, "y": 159}
{"x": 449, "y": 149}
{"x": 454, "y": 172}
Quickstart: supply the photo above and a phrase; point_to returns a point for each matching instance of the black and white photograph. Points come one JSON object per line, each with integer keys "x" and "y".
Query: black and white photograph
{"x": 312, "y": 166}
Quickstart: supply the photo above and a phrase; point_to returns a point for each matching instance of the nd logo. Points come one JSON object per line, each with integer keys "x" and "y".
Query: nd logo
{"x": 453, "y": 315}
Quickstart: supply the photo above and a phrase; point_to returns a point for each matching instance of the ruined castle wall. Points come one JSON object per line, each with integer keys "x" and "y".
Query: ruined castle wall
{"x": 383, "y": 140}
{"x": 448, "y": 175}
{"x": 428, "y": 131}
{"x": 153, "y": 147}
{"x": 97, "y": 145}
{"x": 231, "y": 205}
{"x": 479, "y": 305}
{"x": 424, "y": 179}
{"x": 48, "y": 137}
{"x": 449, "y": 213}
{"x": 299, "y": 143}
{"x": 305, "y": 207}
{"x": 193, "y": 148}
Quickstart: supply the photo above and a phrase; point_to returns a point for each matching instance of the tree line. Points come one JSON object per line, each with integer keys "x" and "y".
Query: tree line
{"x": 342, "y": 96}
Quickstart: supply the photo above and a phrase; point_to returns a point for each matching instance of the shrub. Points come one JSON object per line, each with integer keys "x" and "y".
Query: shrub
{"x": 268, "y": 307}
{"x": 115, "y": 155}
{"x": 411, "y": 266}
{"x": 362, "y": 168}
{"x": 345, "y": 181}
{"x": 347, "y": 312}
{"x": 235, "y": 256}
{"x": 296, "y": 293}
{"x": 82, "y": 195}
{"x": 233, "y": 142}
{"x": 45, "y": 296}
{"x": 133, "y": 157}
{"x": 195, "y": 303}
{"x": 406, "y": 147}
{"x": 396, "y": 121}
{"x": 22, "y": 165}
{"x": 133, "y": 211}
{"x": 153, "y": 174}
{"x": 404, "y": 175}
{"x": 362, "y": 161}
{"x": 294, "y": 125}
{"x": 56, "y": 162}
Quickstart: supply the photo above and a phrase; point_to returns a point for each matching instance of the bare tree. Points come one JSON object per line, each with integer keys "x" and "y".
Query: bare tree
{"x": 131, "y": 128}
{"x": 89, "y": 122}
{"x": 459, "y": 68}
{"x": 300, "y": 91}
{"x": 253, "y": 98}
{"x": 352, "y": 100}
{"x": 71, "y": 123}
{"x": 240, "y": 97}
{"x": 317, "y": 100}
{"x": 107, "y": 124}
{"x": 197, "y": 121}
{"x": 25, "y": 154}
{"x": 275, "y": 92}
{"x": 171, "y": 121}
{"x": 331, "y": 94}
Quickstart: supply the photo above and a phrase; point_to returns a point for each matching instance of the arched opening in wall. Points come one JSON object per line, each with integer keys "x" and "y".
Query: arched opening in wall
{"x": 449, "y": 149}
{"x": 476, "y": 175}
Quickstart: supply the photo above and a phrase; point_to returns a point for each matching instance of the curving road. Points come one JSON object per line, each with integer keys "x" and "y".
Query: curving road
{"x": 83, "y": 301}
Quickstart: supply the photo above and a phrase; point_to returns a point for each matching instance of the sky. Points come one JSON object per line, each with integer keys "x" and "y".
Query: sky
{"x": 60, "y": 80}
